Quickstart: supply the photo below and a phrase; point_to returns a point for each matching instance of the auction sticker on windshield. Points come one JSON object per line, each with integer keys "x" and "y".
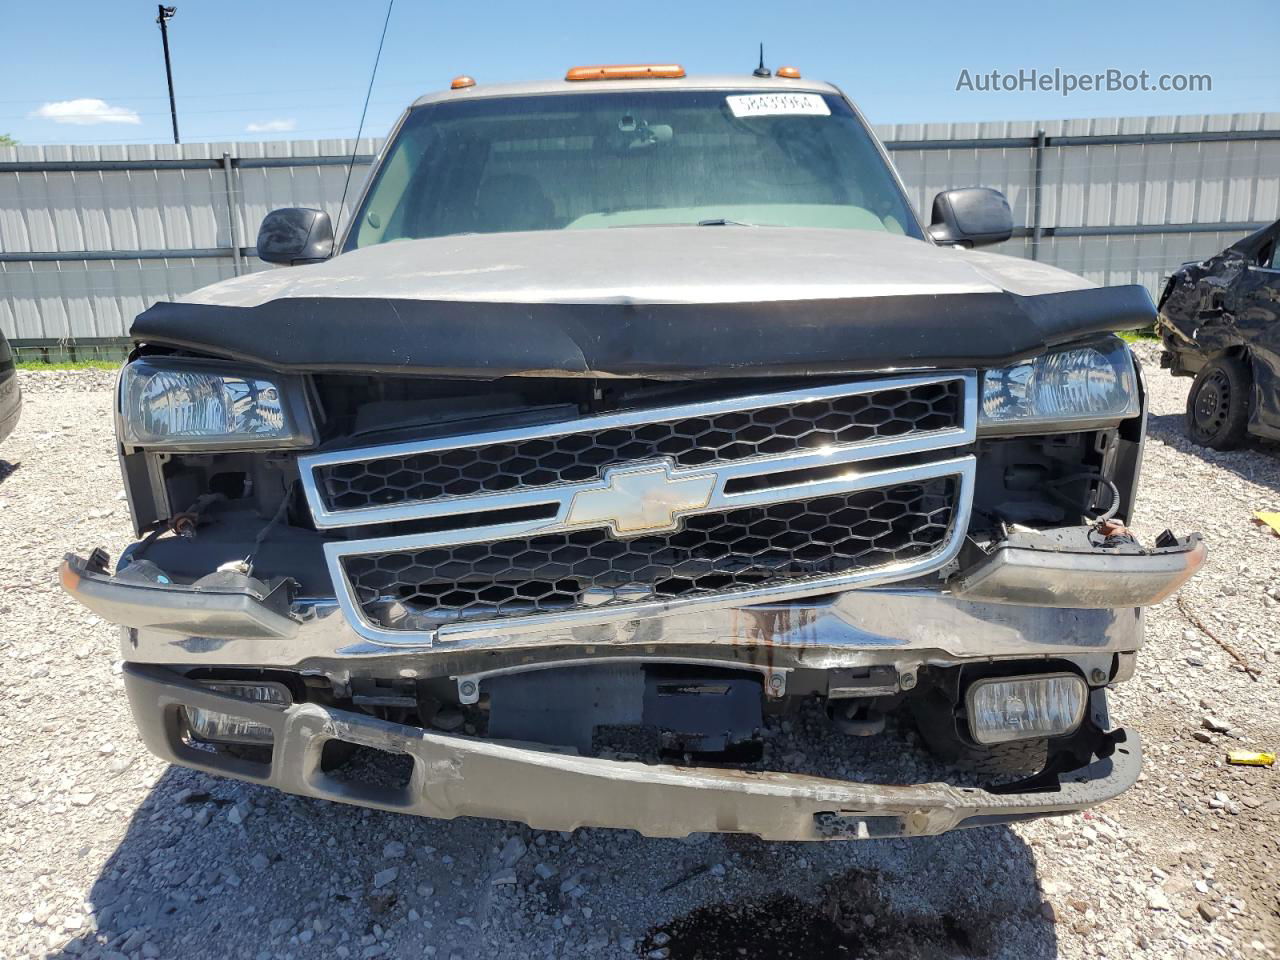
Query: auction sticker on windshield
{"x": 774, "y": 104}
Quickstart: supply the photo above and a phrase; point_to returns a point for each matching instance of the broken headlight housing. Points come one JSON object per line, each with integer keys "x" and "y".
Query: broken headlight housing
{"x": 1076, "y": 385}
{"x": 184, "y": 404}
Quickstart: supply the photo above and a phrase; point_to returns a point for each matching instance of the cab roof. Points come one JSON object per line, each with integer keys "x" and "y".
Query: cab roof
{"x": 726, "y": 81}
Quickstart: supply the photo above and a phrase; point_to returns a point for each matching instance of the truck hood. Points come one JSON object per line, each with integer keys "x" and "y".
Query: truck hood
{"x": 667, "y": 302}
{"x": 649, "y": 265}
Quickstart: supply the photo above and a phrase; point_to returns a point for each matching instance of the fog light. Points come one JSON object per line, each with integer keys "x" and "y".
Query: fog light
{"x": 226, "y": 727}
{"x": 1020, "y": 708}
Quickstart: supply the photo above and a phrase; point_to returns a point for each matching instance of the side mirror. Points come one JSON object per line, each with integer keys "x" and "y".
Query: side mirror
{"x": 971, "y": 217}
{"x": 294, "y": 235}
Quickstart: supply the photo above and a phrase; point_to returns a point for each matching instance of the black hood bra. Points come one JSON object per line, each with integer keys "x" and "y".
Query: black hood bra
{"x": 678, "y": 341}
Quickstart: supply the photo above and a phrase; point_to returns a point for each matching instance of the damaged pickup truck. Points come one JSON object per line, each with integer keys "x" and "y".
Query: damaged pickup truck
{"x": 631, "y": 416}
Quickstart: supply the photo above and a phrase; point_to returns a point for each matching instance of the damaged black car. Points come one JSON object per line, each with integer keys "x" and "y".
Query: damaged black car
{"x": 1220, "y": 323}
{"x": 633, "y": 418}
{"x": 10, "y": 391}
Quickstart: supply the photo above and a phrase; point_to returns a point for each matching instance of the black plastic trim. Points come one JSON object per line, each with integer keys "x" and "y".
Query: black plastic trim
{"x": 666, "y": 341}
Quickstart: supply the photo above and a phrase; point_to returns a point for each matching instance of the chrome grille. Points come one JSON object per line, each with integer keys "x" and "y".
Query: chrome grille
{"x": 766, "y": 497}
{"x": 713, "y": 553}
{"x": 373, "y": 483}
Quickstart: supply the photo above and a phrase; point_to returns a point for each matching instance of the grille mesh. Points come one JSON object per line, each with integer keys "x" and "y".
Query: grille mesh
{"x": 689, "y": 442}
{"x": 713, "y": 553}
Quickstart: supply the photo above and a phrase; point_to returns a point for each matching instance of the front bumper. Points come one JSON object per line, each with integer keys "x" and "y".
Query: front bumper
{"x": 1022, "y": 603}
{"x": 456, "y": 776}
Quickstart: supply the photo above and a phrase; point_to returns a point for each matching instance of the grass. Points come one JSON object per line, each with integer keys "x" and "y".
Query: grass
{"x": 69, "y": 365}
{"x": 1137, "y": 336}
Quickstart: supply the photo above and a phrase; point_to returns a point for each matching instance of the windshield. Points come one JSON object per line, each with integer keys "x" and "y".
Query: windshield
{"x": 631, "y": 159}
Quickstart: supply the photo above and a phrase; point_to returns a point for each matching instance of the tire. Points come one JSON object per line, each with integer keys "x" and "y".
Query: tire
{"x": 1218, "y": 404}
{"x": 1005, "y": 761}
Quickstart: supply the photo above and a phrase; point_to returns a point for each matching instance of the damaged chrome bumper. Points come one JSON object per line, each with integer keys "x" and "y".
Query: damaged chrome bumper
{"x": 1020, "y": 602}
{"x": 456, "y": 776}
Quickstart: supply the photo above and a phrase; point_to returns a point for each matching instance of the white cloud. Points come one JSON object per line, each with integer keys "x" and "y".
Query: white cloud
{"x": 273, "y": 126}
{"x": 85, "y": 112}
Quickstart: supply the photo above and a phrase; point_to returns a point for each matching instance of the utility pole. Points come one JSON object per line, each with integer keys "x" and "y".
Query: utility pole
{"x": 166, "y": 14}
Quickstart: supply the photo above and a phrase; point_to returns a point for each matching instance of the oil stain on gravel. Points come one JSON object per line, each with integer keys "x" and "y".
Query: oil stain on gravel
{"x": 849, "y": 919}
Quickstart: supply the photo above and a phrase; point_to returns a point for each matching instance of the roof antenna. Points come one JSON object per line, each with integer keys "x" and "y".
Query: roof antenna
{"x": 762, "y": 70}
{"x": 360, "y": 129}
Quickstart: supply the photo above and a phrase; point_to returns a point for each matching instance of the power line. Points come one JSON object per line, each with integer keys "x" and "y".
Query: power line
{"x": 360, "y": 129}
{"x": 257, "y": 94}
{"x": 259, "y": 107}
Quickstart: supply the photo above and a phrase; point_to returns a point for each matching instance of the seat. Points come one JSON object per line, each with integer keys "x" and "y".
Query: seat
{"x": 512, "y": 202}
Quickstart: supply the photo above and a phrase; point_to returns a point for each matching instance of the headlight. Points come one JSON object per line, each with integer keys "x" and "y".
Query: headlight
{"x": 188, "y": 403}
{"x": 1082, "y": 383}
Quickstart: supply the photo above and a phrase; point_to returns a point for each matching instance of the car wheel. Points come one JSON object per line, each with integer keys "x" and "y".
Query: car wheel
{"x": 1218, "y": 405}
{"x": 1001, "y": 761}
{"x": 1015, "y": 760}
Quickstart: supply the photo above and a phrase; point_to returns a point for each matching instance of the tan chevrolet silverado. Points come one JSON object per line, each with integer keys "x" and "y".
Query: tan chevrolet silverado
{"x": 629, "y": 415}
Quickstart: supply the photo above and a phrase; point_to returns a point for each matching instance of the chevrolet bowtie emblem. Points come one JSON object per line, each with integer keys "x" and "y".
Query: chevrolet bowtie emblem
{"x": 644, "y": 498}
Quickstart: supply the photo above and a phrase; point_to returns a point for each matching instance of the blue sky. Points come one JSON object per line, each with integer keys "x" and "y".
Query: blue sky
{"x": 292, "y": 70}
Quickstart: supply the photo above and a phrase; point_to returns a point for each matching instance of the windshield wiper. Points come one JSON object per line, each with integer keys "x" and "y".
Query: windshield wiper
{"x": 722, "y": 222}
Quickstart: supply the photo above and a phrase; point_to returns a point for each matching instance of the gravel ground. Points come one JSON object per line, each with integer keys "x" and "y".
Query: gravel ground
{"x": 110, "y": 853}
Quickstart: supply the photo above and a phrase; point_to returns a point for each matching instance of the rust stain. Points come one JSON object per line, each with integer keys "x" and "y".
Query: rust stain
{"x": 759, "y": 632}
{"x": 779, "y": 624}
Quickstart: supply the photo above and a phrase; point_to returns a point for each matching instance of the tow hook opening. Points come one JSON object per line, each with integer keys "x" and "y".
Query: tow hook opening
{"x": 371, "y": 773}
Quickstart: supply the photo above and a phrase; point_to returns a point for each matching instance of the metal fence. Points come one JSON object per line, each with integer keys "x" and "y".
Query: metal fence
{"x": 1119, "y": 200}
{"x": 91, "y": 236}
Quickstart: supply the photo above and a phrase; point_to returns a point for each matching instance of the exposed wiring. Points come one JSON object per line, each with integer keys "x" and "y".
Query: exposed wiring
{"x": 183, "y": 524}
{"x": 265, "y": 532}
{"x": 1098, "y": 478}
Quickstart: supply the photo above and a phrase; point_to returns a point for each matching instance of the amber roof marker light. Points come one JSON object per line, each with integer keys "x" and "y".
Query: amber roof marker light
{"x": 461, "y": 82}
{"x": 789, "y": 73}
{"x": 635, "y": 71}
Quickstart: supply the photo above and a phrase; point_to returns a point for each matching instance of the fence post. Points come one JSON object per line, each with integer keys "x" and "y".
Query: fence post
{"x": 1037, "y": 228}
{"x": 236, "y": 265}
